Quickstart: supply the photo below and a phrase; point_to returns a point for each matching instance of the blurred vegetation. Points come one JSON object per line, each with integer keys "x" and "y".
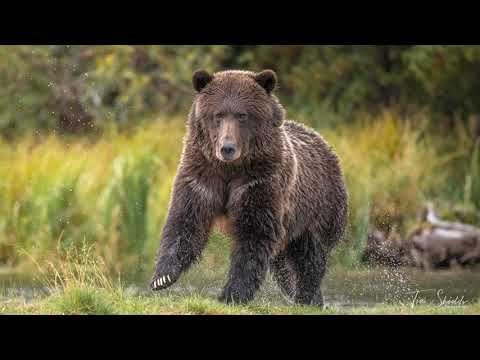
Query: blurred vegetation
{"x": 82, "y": 88}
{"x": 91, "y": 137}
{"x": 113, "y": 194}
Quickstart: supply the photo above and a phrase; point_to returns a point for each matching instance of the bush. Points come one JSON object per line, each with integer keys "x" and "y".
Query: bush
{"x": 81, "y": 88}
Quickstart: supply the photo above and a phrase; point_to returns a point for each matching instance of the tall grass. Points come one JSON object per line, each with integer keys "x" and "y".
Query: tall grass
{"x": 472, "y": 182}
{"x": 124, "y": 205}
{"x": 392, "y": 166}
{"x": 112, "y": 194}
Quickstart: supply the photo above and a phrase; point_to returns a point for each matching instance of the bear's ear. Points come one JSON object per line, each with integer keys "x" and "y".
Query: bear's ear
{"x": 200, "y": 79}
{"x": 267, "y": 79}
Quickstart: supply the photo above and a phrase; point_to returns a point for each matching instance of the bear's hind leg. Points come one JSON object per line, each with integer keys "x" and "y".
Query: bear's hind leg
{"x": 310, "y": 262}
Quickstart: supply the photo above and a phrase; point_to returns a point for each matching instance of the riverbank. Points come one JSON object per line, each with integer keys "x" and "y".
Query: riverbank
{"x": 362, "y": 291}
{"x": 99, "y": 302}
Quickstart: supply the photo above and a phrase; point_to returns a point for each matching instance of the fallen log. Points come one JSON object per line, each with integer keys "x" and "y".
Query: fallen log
{"x": 432, "y": 219}
{"x": 444, "y": 244}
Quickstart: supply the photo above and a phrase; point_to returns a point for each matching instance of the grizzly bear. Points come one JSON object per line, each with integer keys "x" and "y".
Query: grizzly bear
{"x": 276, "y": 184}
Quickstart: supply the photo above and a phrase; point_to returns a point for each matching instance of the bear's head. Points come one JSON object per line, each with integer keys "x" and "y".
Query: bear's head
{"x": 237, "y": 113}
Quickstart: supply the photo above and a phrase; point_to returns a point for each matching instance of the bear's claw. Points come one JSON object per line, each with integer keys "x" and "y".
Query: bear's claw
{"x": 161, "y": 282}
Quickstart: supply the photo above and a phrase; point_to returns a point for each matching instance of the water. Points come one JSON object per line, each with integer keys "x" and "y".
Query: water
{"x": 366, "y": 287}
{"x": 402, "y": 286}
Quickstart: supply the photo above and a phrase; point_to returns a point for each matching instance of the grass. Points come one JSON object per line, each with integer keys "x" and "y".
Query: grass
{"x": 100, "y": 302}
{"x": 113, "y": 192}
{"x": 57, "y": 193}
{"x": 81, "y": 285}
{"x": 392, "y": 167}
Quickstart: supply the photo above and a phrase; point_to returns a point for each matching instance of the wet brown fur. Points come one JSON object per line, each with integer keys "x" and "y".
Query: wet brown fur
{"x": 283, "y": 200}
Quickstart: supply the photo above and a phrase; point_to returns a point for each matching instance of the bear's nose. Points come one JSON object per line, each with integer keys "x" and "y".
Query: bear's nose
{"x": 227, "y": 151}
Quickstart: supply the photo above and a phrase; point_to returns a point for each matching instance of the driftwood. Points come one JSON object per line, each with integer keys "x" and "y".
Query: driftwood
{"x": 434, "y": 244}
{"x": 444, "y": 243}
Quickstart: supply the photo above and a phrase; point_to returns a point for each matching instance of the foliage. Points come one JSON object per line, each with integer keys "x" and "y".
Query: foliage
{"x": 85, "y": 88}
{"x": 114, "y": 193}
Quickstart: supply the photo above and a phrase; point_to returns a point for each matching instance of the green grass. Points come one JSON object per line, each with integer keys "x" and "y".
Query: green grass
{"x": 100, "y": 302}
{"x": 58, "y": 193}
{"x": 81, "y": 284}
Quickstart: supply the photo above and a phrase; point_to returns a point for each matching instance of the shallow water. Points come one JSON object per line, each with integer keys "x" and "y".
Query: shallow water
{"x": 366, "y": 287}
{"x": 402, "y": 286}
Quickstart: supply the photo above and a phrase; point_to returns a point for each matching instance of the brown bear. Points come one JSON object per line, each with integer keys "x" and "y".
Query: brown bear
{"x": 276, "y": 184}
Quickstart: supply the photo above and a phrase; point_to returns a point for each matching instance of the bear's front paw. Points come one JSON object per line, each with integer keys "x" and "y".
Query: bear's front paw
{"x": 160, "y": 282}
{"x": 235, "y": 295}
{"x": 164, "y": 277}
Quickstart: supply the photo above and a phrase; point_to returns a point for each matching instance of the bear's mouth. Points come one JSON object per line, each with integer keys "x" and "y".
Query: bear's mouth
{"x": 228, "y": 161}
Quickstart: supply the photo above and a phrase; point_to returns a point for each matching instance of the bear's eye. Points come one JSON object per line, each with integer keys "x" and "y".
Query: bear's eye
{"x": 217, "y": 117}
{"x": 242, "y": 117}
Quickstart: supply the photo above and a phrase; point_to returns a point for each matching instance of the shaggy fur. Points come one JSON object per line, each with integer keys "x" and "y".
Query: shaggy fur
{"x": 283, "y": 199}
